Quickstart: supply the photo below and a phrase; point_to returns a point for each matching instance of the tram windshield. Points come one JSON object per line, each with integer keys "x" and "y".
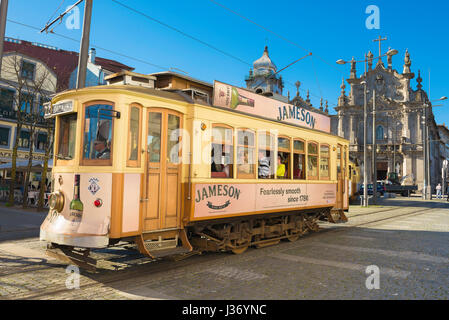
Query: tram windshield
{"x": 97, "y": 132}
{"x": 67, "y": 137}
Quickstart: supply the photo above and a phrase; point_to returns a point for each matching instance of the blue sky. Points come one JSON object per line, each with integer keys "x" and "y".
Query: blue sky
{"x": 331, "y": 30}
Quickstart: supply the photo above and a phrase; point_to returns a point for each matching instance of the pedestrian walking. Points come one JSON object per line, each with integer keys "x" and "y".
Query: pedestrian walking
{"x": 438, "y": 188}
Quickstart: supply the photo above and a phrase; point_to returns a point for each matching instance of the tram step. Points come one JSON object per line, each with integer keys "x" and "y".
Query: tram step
{"x": 156, "y": 245}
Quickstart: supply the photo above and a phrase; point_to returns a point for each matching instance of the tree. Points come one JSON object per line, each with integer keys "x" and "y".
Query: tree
{"x": 30, "y": 81}
{"x": 48, "y": 148}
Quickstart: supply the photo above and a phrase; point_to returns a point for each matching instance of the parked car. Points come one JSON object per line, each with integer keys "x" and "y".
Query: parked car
{"x": 380, "y": 189}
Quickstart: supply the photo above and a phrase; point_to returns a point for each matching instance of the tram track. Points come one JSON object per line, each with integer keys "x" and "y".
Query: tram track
{"x": 142, "y": 271}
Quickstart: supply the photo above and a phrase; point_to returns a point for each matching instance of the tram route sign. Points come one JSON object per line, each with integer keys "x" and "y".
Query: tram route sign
{"x": 63, "y": 107}
{"x": 245, "y": 101}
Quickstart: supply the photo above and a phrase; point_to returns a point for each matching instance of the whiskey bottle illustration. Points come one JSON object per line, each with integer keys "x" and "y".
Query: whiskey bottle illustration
{"x": 76, "y": 206}
{"x": 237, "y": 99}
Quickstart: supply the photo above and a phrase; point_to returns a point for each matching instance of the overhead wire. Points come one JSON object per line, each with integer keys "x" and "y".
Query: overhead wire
{"x": 181, "y": 32}
{"x": 274, "y": 33}
{"x": 284, "y": 39}
{"x": 164, "y": 24}
{"x": 52, "y": 16}
{"x": 93, "y": 45}
{"x": 204, "y": 42}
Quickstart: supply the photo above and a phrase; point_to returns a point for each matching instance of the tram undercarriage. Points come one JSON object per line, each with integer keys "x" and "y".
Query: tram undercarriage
{"x": 260, "y": 231}
{"x": 234, "y": 235}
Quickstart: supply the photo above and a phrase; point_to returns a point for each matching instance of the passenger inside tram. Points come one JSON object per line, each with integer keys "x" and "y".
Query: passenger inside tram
{"x": 280, "y": 172}
{"x": 264, "y": 165}
{"x": 243, "y": 163}
{"x": 220, "y": 166}
{"x": 298, "y": 168}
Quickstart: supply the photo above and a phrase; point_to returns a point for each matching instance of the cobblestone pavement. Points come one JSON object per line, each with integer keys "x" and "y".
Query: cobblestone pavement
{"x": 405, "y": 238}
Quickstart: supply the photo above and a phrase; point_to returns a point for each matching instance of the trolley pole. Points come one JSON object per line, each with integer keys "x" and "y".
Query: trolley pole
{"x": 84, "y": 48}
{"x": 3, "y": 15}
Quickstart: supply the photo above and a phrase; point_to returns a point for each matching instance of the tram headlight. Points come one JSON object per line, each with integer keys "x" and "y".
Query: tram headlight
{"x": 56, "y": 201}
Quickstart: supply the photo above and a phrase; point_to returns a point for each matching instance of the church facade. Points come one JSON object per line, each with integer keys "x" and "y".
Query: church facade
{"x": 399, "y": 122}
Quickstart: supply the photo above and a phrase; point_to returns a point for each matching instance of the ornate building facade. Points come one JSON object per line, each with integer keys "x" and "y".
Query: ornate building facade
{"x": 399, "y": 121}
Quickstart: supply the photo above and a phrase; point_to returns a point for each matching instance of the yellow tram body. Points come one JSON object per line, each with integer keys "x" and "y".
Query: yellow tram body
{"x": 158, "y": 187}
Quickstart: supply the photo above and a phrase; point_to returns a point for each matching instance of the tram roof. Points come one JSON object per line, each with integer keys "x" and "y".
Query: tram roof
{"x": 177, "y": 95}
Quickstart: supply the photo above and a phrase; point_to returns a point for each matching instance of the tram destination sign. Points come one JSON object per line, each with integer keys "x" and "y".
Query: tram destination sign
{"x": 51, "y": 110}
{"x": 245, "y": 101}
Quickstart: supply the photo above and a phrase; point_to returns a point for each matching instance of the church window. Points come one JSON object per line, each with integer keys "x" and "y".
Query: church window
{"x": 379, "y": 133}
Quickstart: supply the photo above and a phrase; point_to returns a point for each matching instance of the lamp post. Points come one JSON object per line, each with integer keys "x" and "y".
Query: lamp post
{"x": 390, "y": 52}
{"x": 374, "y": 150}
{"x": 443, "y": 176}
{"x": 427, "y": 195}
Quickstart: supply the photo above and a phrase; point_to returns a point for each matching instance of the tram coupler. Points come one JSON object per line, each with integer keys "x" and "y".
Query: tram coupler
{"x": 70, "y": 255}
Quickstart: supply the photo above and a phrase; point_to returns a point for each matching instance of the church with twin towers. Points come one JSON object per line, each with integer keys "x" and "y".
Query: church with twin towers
{"x": 399, "y": 119}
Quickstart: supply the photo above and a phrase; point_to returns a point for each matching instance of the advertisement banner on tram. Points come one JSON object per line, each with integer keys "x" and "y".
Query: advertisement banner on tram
{"x": 238, "y": 99}
{"x": 229, "y": 199}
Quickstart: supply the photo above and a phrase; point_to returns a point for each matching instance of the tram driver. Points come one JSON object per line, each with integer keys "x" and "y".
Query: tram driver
{"x": 101, "y": 147}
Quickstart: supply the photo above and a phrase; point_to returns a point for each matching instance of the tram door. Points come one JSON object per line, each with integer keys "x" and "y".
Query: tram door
{"x": 163, "y": 171}
{"x": 340, "y": 177}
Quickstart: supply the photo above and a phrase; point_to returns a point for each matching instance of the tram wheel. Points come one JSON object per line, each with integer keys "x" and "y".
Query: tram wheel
{"x": 293, "y": 237}
{"x": 239, "y": 250}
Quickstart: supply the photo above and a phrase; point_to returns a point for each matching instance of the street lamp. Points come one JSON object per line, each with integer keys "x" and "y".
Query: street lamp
{"x": 390, "y": 52}
{"x": 427, "y": 195}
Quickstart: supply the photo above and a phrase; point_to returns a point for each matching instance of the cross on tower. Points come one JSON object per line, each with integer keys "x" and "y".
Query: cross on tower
{"x": 380, "y": 43}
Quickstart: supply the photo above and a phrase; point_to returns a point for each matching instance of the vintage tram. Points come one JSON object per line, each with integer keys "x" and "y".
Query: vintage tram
{"x": 167, "y": 171}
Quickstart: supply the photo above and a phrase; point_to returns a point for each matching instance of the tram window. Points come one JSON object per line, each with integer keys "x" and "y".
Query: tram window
{"x": 283, "y": 164}
{"x": 134, "y": 137}
{"x": 154, "y": 136}
{"x": 67, "y": 137}
{"x": 266, "y": 156}
{"x": 324, "y": 162}
{"x": 339, "y": 162}
{"x": 312, "y": 161}
{"x": 245, "y": 154}
{"x": 222, "y": 152}
{"x": 299, "y": 166}
{"x": 173, "y": 139}
{"x": 97, "y": 132}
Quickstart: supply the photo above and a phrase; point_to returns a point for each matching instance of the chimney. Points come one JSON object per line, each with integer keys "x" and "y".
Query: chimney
{"x": 92, "y": 55}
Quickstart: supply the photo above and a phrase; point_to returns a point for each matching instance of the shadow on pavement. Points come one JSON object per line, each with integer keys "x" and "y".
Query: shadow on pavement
{"x": 409, "y": 202}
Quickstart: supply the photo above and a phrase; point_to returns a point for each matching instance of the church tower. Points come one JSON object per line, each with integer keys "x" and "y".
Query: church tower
{"x": 263, "y": 80}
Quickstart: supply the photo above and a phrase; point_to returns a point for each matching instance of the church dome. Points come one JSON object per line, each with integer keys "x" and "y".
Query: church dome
{"x": 264, "y": 64}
